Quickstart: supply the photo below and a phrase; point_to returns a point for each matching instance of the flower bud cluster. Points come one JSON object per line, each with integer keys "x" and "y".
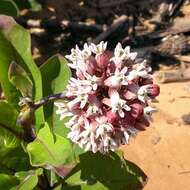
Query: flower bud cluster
{"x": 107, "y": 101}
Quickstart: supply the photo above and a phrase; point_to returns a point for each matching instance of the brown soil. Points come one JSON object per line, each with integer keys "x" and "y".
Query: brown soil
{"x": 162, "y": 151}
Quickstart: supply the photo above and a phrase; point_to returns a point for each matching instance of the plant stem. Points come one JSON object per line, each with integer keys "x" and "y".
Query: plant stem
{"x": 44, "y": 183}
{"x": 48, "y": 99}
{"x": 27, "y": 118}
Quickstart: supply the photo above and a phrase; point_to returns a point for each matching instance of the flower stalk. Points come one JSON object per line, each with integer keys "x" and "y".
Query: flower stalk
{"x": 47, "y": 100}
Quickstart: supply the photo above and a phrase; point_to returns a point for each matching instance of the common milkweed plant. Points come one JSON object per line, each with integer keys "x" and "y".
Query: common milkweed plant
{"x": 61, "y": 125}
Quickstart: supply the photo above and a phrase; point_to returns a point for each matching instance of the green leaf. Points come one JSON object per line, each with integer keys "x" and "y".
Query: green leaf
{"x": 7, "y": 181}
{"x": 55, "y": 76}
{"x": 13, "y": 160}
{"x": 98, "y": 171}
{"x": 24, "y": 4}
{"x": 20, "y": 40}
{"x": 28, "y": 179}
{"x": 9, "y": 130}
{"x": 19, "y": 78}
{"x": 97, "y": 186}
{"x": 6, "y": 54}
{"x": 9, "y": 7}
{"x": 59, "y": 187}
{"x": 28, "y": 4}
{"x": 57, "y": 155}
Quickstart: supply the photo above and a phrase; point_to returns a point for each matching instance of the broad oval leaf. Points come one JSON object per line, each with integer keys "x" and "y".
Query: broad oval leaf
{"x": 20, "y": 40}
{"x": 6, "y": 54}
{"x": 57, "y": 155}
{"x": 55, "y": 76}
{"x": 109, "y": 172}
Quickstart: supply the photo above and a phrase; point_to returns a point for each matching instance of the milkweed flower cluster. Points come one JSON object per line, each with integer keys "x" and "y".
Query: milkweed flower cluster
{"x": 107, "y": 100}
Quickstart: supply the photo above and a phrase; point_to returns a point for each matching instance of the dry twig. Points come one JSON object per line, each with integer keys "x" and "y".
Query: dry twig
{"x": 173, "y": 76}
{"x": 61, "y": 26}
{"x": 110, "y": 30}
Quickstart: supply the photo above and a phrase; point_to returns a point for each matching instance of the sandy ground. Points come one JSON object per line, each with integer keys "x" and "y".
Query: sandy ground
{"x": 163, "y": 150}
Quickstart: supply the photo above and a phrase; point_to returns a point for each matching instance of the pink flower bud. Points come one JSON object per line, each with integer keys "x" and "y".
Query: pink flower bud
{"x": 74, "y": 107}
{"x": 131, "y": 92}
{"x": 128, "y": 120}
{"x": 145, "y": 81}
{"x": 91, "y": 66}
{"x": 128, "y": 95}
{"x": 112, "y": 117}
{"x": 103, "y": 59}
{"x": 153, "y": 90}
{"x": 93, "y": 99}
{"x": 110, "y": 69}
{"x": 136, "y": 110}
{"x": 141, "y": 124}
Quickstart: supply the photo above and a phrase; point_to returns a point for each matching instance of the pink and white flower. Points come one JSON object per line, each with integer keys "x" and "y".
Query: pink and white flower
{"x": 92, "y": 81}
{"x": 121, "y": 55}
{"x": 148, "y": 111}
{"x": 140, "y": 70}
{"x": 118, "y": 79}
{"x": 116, "y": 103}
{"x": 98, "y": 49}
{"x": 63, "y": 110}
{"x": 107, "y": 102}
{"x": 147, "y": 92}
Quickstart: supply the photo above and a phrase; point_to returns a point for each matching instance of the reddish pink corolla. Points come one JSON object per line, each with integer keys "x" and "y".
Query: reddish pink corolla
{"x": 108, "y": 101}
{"x": 103, "y": 59}
{"x": 153, "y": 90}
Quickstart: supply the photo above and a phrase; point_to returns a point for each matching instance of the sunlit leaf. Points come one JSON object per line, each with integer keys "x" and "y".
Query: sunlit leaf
{"x": 56, "y": 155}
{"x": 6, "y": 54}
{"x": 20, "y": 40}
{"x": 28, "y": 179}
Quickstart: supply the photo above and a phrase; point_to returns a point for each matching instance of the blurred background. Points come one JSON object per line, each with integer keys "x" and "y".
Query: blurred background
{"x": 159, "y": 30}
